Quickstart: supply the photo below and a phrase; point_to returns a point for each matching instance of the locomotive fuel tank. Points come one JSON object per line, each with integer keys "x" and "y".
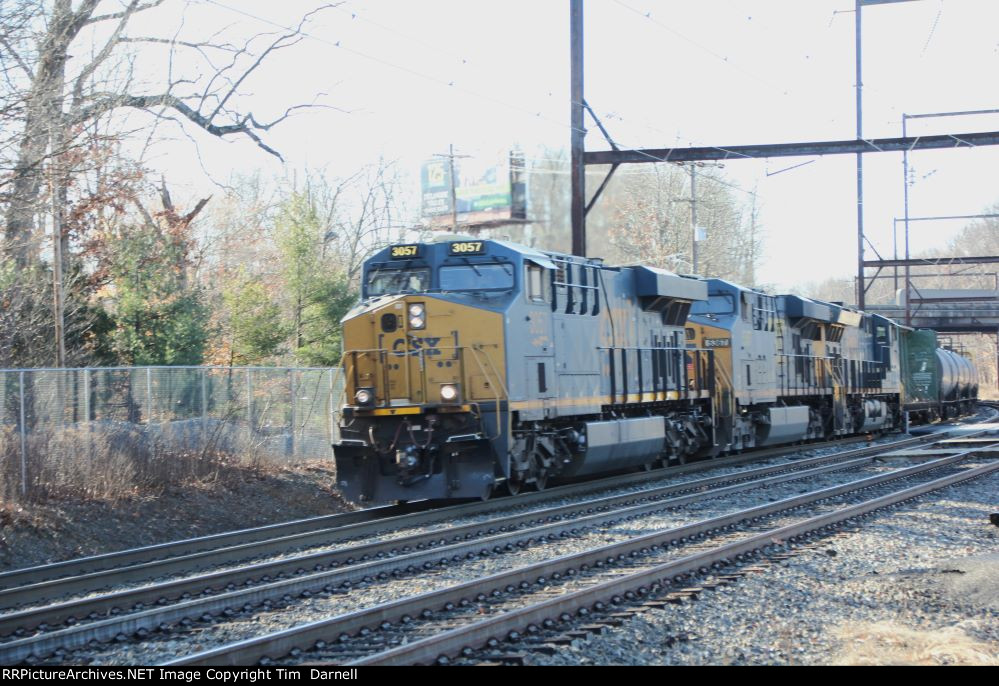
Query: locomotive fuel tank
{"x": 783, "y": 425}
{"x": 617, "y": 444}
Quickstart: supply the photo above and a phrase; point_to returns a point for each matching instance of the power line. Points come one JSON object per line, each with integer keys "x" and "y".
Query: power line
{"x": 451, "y": 84}
{"x": 728, "y": 61}
{"x": 933, "y": 30}
{"x": 703, "y": 48}
{"x": 691, "y": 142}
{"x": 357, "y": 14}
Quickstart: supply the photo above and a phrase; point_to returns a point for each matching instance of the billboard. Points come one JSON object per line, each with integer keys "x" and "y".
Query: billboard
{"x": 487, "y": 189}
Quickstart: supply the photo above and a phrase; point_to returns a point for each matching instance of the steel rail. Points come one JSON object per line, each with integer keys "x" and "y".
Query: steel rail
{"x": 500, "y": 627}
{"x": 280, "y": 643}
{"x": 152, "y": 553}
{"x": 149, "y": 620}
{"x": 199, "y": 561}
{"x": 135, "y": 556}
{"x": 348, "y": 564}
{"x": 141, "y": 620}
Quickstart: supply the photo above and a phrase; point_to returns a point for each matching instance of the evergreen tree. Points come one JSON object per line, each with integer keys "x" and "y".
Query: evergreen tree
{"x": 256, "y": 326}
{"x": 318, "y": 292}
{"x": 160, "y": 319}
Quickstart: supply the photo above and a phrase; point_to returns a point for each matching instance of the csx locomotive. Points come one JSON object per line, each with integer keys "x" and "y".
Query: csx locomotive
{"x": 471, "y": 363}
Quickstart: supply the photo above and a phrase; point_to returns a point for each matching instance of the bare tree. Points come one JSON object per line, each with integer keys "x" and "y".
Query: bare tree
{"x": 69, "y": 71}
{"x": 271, "y": 244}
{"x": 646, "y": 217}
{"x": 359, "y": 213}
{"x": 55, "y": 94}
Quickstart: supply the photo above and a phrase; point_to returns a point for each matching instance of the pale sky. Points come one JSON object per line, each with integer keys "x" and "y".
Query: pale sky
{"x": 409, "y": 78}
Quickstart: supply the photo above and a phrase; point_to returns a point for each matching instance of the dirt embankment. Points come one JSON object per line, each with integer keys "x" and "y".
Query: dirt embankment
{"x": 64, "y": 528}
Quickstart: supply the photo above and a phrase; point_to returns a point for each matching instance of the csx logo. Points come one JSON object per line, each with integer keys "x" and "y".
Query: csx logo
{"x": 428, "y": 345}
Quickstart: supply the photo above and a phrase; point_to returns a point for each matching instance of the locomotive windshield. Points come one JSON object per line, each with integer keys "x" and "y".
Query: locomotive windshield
{"x": 390, "y": 280}
{"x": 717, "y": 303}
{"x": 476, "y": 277}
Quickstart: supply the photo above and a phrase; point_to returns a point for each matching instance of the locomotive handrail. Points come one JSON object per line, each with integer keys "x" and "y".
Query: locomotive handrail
{"x": 812, "y": 379}
{"x": 475, "y": 354}
{"x": 701, "y": 379}
{"x": 575, "y": 285}
{"x": 336, "y": 407}
{"x": 646, "y": 347}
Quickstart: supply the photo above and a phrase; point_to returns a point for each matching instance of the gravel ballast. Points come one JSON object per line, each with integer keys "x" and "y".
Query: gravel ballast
{"x": 915, "y": 585}
{"x": 299, "y": 611}
{"x": 673, "y": 638}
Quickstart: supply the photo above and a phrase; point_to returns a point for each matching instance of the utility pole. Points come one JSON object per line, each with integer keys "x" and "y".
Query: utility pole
{"x": 861, "y": 286}
{"x": 752, "y": 241}
{"x": 861, "y": 277}
{"x": 694, "y": 232}
{"x": 577, "y": 147}
{"x": 908, "y": 273}
{"x": 454, "y": 192}
{"x": 693, "y": 217}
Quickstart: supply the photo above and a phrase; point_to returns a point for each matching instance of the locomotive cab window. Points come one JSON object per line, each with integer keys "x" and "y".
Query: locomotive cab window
{"x": 389, "y": 281}
{"x": 717, "y": 303}
{"x": 477, "y": 277}
{"x": 537, "y": 284}
{"x": 676, "y": 313}
{"x": 764, "y": 313}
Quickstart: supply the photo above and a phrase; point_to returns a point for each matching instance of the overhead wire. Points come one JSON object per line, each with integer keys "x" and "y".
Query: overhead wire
{"x": 339, "y": 44}
{"x": 360, "y": 14}
{"x": 444, "y": 82}
{"x": 933, "y": 29}
{"x": 451, "y": 83}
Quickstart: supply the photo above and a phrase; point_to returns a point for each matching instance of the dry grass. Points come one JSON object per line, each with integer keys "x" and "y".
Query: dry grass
{"x": 887, "y": 643}
{"x": 112, "y": 463}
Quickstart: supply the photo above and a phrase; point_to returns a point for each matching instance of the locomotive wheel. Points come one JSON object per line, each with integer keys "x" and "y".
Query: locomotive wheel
{"x": 541, "y": 481}
{"x": 513, "y": 487}
{"x": 487, "y": 491}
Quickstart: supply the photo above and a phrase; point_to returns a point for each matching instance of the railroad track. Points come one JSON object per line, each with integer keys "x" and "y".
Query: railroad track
{"x": 93, "y": 575}
{"x": 228, "y": 546}
{"x": 394, "y": 558}
{"x": 530, "y": 605}
{"x": 368, "y": 561}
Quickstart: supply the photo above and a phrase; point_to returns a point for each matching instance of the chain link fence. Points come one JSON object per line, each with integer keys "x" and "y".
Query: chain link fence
{"x": 102, "y": 429}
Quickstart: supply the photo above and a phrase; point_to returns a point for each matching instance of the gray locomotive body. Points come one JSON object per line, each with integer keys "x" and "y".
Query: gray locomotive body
{"x": 476, "y": 363}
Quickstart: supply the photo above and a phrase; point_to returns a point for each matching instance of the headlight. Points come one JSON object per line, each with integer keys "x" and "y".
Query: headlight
{"x": 449, "y": 392}
{"x": 417, "y": 318}
{"x": 364, "y": 396}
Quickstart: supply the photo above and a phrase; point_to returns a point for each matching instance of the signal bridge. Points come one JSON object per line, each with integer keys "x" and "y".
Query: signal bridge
{"x": 946, "y": 311}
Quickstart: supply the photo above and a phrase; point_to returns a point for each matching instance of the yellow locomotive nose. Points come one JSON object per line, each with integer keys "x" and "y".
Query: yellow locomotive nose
{"x": 413, "y": 350}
